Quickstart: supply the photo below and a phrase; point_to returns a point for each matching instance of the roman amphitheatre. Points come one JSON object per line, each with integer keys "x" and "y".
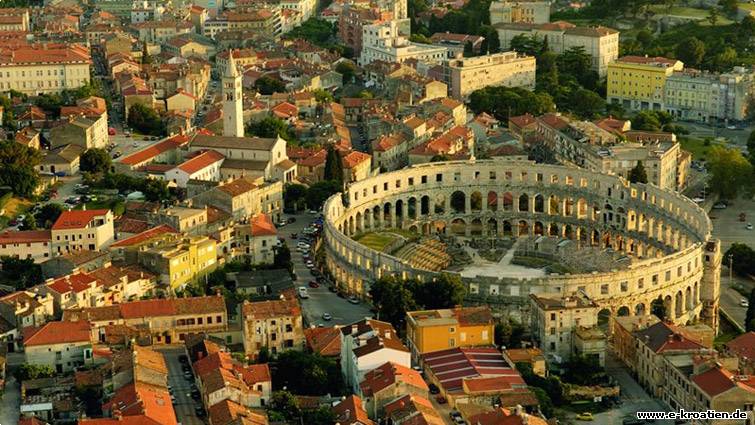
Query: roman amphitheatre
{"x": 514, "y": 228}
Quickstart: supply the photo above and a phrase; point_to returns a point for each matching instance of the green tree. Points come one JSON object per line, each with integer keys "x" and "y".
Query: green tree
{"x": 446, "y": 291}
{"x": 322, "y": 416}
{"x": 333, "y": 166}
{"x": 19, "y": 168}
{"x": 48, "y": 214}
{"x": 638, "y": 174}
{"x": 587, "y": 104}
{"x": 294, "y": 194}
{"x": 145, "y": 120}
{"x": 508, "y": 333}
{"x": 314, "y": 30}
{"x": 33, "y": 371}
{"x": 577, "y": 63}
{"x": 95, "y": 161}
{"x": 440, "y": 158}
{"x": 645, "y": 38}
{"x": 307, "y": 373}
{"x": 713, "y": 15}
{"x": 267, "y": 85}
{"x": 750, "y": 315}
{"x": 20, "y": 273}
{"x": 270, "y": 127}
{"x": 503, "y": 102}
{"x": 347, "y": 69}
{"x": 282, "y": 259}
{"x": 392, "y": 299}
{"x": 322, "y": 96}
{"x": 319, "y": 192}
{"x": 730, "y": 171}
{"x": 146, "y": 58}
{"x": 531, "y": 45}
{"x": 29, "y": 223}
{"x": 582, "y": 370}
{"x": 285, "y": 403}
{"x": 751, "y": 148}
{"x": 742, "y": 258}
{"x": 544, "y": 401}
{"x": 691, "y": 51}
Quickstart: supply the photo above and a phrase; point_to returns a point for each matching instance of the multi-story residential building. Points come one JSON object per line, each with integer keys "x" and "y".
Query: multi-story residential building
{"x": 22, "y": 309}
{"x": 457, "y": 43}
{"x": 179, "y": 261}
{"x": 223, "y": 378}
{"x": 356, "y": 165}
{"x": 80, "y": 131}
{"x": 276, "y": 325}
{"x": 166, "y": 321}
{"x": 161, "y": 31}
{"x": 743, "y": 348}
{"x": 256, "y": 240}
{"x": 305, "y": 8}
{"x": 435, "y": 330}
{"x": 78, "y": 290}
{"x": 39, "y": 69}
{"x": 245, "y": 197}
{"x": 388, "y": 42}
{"x": 638, "y": 83}
{"x": 530, "y": 12}
{"x": 592, "y": 146}
{"x": 260, "y": 21}
{"x": 14, "y": 19}
{"x": 367, "y": 344}
{"x": 82, "y": 230}
{"x": 146, "y": 10}
{"x": 601, "y": 43}
{"x": 352, "y": 21}
{"x": 510, "y": 69}
{"x": 183, "y": 219}
{"x": 387, "y": 383}
{"x": 721, "y": 390}
{"x": 693, "y": 95}
{"x": 95, "y": 109}
{"x": 63, "y": 345}
{"x": 36, "y": 244}
{"x": 555, "y": 322}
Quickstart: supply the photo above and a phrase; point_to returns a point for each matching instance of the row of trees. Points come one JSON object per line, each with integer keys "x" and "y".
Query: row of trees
{"x": 742, "y": 259}
{"x": 473, "y": 18}
{"x": 393, "y": 297}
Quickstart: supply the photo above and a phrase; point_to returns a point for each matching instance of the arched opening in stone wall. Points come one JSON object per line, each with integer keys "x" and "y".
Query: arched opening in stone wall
{"x": 623, "y": 311}
{"x": 508, "y": 201}
{"x": 475, "y": 202}
{"x": 524, "y": 228}
{"x": 668, "y": 307}
{"x": 538, "y": 228}
{"x": 569, "y": 232}
{"x": 492, "y": 201}
{"x": 539, "y": 203}
{"x": 569, "y": 207}
{"x": 387, "y": 215}
{"x": 359, "y": 222}
{"x": 688, "y": 298}
{"x": 399, "y": 212}
{"x": 439, "y": 227}
{"x": 475, "y": 227}
{"x": 604, "y": 319}
{"x": 492, "y": 227}
{"x": 639, "y": 309}
{"x": 458, "y": 227}
{"x": 581, "y": 208}
{"x": 679, "y": 304}
{"x": 507, "y": 231}
{"x": 524, "y": 202}
{"x": 458, "y": 202}
{"x": 553, "y": 229}
{"x": 424, "y": 205}
{"x": 440, "y": 204}
{"x": 411, "y": 208}
{"x": 553, "y": 205}
{"x": 595, "y": 239}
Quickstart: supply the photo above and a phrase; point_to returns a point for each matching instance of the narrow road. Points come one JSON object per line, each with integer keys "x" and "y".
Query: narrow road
{"x": 180, "y": 387}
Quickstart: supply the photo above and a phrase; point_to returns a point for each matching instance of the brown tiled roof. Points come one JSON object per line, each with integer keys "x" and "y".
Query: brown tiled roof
{"x": 324, "y": 341}
{"x": 261, "y": 310}
{"x": 662, "y": 337}
{"x": 743, "y": 346}
{"x": 351, "y": 412}
{"x": 238, "y": 186}
{"x": 389, "y": 374}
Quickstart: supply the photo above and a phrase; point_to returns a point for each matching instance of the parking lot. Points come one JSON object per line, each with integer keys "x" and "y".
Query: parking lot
{"x": 320, "y": 300}
{"x": 180, "y": 387}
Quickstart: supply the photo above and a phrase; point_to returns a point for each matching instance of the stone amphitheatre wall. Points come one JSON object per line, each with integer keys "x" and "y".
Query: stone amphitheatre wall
{"x": 667, "y": 235}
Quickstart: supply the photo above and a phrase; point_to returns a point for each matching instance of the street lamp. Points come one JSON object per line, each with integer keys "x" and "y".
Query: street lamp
{"x": 731, "y": 268}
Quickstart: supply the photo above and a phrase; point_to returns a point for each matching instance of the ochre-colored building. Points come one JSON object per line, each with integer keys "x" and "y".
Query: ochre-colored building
{"x": 435, "y": 330}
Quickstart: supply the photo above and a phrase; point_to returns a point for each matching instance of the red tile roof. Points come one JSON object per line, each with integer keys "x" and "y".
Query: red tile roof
{"x": 419, "y": 409}
{"x": 285, "y": 110}
{"x": 644, "y": 60}
{"x": 155, "y": 150}
{"x": 45, "y": 53}
{"x": 78, "y": 282}
{"x": 453, "y": 366}
{"x": 522, "y": 120}
{"x": 354, "y": 158}
{"x": 260, "y": 310}
{"x": 25, "y": 236}
{"x": 324, "y": 341}
{"x": 144, "y": 405}
{"x": 389, "y": 374}
{"x": 203, "y": 160}
{"x": 144, "y": 236}
{"x": 76, "y": 219}
{"x": 262, "y": 225}
{"x": 57, "y": 333}
{"x": 743, "y": 346}
{"x": 714, "y": 381}
{"x": 351, "y": 412}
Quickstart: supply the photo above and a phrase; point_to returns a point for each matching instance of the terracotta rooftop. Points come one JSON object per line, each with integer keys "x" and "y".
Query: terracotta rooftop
{"x": 149, "y": 308}
{"x": 25, "y": 236}
{"x": 144, "y": 236}
{"x": 147, "y": 154}
{"x": 239, "y": 186}
{"x": 717, "y": 380}
{"x": 78, "y": 219}
{"x": 389, "y": 374}
{"x": 743, "y": 346}
{"x": 325, "y": 341}
{"x": 351, "y": 412}
{"x": 661, "y": 337}
{"x": 419, "y": 410}
{"x": 261, "y": 310}
{"x": 76, "y": 283}
{"x": 57, "y": 333}
{"x": 262, "y": 225}
{"x": 454, "y": 366}
{"x": 201, "y": 161}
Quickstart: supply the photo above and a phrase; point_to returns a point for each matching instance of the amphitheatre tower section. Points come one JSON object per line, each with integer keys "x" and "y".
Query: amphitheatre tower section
{"x": 514, "y": 230}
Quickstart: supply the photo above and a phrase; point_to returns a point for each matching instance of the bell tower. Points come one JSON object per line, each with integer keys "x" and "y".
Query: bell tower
{"x": 233, "y": 112}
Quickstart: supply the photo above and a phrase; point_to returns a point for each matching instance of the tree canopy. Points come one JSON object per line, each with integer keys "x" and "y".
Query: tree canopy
{"x": 333, "y": 166}
{"x": 638, "y": 174}
{"x": 145, "y": 120}
{"x": 19, "y": 164}
{"x": 730, "y": 172}
{"x": 307, "y": 373}
{"x": 503, "y": 102}
{"x": 267, "y": 85}
{"x": 270, "y": 127}
{"x": 95, "y": 161}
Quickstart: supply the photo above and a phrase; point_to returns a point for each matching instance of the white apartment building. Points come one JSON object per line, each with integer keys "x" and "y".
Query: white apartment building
{"x": 693, "y": 95}
{"x": 510, "y": 69}
{"x": 531, "y": 12}
{"x": 146, "y": 10}
{"x": 306, "y": 8}
{"x": 26, "y": 244}
{"x": 386, "y": 42}
{"x": 601, "y": 43}
{"x": 62, "y": 345}
{"x": 39, "y": 69}
{"x": 82, "y": 230}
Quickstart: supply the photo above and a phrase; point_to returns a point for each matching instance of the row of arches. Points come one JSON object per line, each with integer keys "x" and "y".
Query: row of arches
{"x": 671, "y": 306}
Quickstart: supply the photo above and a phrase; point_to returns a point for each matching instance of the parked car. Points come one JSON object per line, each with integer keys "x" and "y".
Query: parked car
{"x": 303, "y": 294}
{"x": 433, "y": 389}
{"x": 719, "y": 206}
{"x": 313, "y": 284}
{"x": 353, "y": 300}
{"x": 585, "y": 416}
{"x": 748, "y": 226}
{"x": 744, "y": 303}
{"x": 326, "y": 316}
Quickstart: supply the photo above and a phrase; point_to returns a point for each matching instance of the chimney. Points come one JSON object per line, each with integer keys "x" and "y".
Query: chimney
{"x": 387, "y": 335}
{"x": 354, "y": 329}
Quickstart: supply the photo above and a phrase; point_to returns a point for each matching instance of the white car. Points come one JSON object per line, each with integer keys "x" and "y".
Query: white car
{"x": 744, "y": 303}
{"x": 698, "y": 199}
{"x": 310, "y": 265}
{"x": 749, "y": 226}
{"x": 303, "y": 294}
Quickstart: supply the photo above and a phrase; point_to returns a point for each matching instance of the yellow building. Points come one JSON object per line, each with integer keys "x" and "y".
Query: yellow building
{"x": 37, "y": 69}
{"x": 638, "y": 82}
{"x": 179, "y": 261}
{"x": 435, "y": 330}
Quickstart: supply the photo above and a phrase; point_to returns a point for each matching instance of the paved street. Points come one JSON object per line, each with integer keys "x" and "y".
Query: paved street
{"x": 737, "y": 137}
{"x": 633, "y": 396}
{"x": 10, "y": 402}
{"x": 320, "y": 300}
{"x": 184, "y": 405}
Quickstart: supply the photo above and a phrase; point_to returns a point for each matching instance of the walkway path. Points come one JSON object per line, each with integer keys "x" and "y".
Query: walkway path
{"x": 503, "y": 268}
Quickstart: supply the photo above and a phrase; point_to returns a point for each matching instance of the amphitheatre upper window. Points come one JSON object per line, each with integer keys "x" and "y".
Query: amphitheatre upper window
{"x": 439, "y": 177}
{"x": 539, "y": 177}
{"x": 492, "y": 175}
{"x": 411, "y": 181}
